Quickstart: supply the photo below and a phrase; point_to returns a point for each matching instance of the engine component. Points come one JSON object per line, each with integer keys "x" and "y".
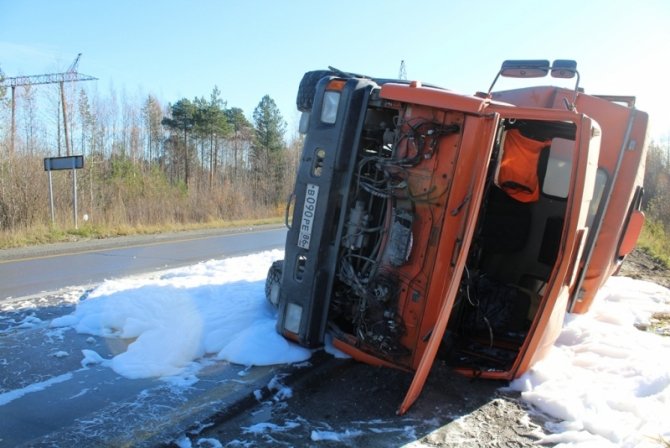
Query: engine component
{"x": 358, "y": 221}
{"x": 400, "y": 237}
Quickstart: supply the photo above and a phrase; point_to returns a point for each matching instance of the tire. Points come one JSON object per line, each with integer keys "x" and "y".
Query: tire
{"x": 307, "y": 88}
{"x": 273, "y": 282}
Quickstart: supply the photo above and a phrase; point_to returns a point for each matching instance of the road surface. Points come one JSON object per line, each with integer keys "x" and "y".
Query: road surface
{"x": 32, "y": 271}
{"x": 50, "y": 396}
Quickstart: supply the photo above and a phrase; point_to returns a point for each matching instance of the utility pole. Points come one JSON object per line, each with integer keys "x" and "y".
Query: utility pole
{"x": 13, "y": 131}
{"x": 71, "y": 75}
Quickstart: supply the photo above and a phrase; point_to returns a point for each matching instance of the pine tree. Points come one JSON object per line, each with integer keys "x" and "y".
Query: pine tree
{"x": 241, "y": 137}
{"x": 270, "y": 126}
{"x": 182, "y": 120}
{"x": 219, "y": 128}
{"x": 268, "y": 151}
{"x": 211, "y": 126}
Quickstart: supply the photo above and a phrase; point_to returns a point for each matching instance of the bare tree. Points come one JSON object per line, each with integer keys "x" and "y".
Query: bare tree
{"x": 152, "y": 114}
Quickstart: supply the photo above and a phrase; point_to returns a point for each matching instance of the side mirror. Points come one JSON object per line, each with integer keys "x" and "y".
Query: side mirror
{"x": 538, "y": 68}
{"x": 563, "y": 68}
{"x": 525, "y": 69}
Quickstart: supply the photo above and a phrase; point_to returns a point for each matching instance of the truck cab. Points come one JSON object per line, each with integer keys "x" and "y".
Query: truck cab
{"x": 428, "y": 224}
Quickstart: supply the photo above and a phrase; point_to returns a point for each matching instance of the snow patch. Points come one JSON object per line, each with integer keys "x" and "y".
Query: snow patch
{"x": 81, "y": 393}
{"x": 217, "y": 307}
{"x": 183, "y": 442}
{"x": 282, "y": 392}
{"x": 263, "y": 428}
{"x": 208, "y": 443}
{"x": 91, "y": 358}
{"x": 606, "y": 380}
{"x": 258, "y": 395}
{"x": 12, "y": 395}
{"x": 329, "y": 348}
{"x": 332, "y": 436}
{"x": 30, "y": 322}
{"x": 66, "y": 296}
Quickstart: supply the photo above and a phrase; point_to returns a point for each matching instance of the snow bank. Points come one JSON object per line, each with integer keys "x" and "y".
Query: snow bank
{"x": 217, "y": 307}
{"x": 606, "y": 380}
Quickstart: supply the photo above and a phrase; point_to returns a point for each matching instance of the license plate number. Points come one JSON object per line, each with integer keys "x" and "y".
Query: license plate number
{"x": 308, "y": 214}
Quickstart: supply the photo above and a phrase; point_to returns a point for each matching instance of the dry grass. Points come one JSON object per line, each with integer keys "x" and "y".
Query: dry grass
{"x": 123, "y": 198}
{"x": 46, "y": 235}
{"x": 655, "y": 241}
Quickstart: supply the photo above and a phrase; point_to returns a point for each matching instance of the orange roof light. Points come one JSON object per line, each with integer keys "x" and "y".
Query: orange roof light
{"x": 336, "y": 84}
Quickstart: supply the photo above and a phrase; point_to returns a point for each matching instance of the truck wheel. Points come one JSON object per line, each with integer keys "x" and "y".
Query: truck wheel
{"x": 307, "y": 88}
{"x": 273, "y": 282}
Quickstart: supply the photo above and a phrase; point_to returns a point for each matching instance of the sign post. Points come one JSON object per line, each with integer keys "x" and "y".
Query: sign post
{"x": 64, "y": 163}
{"x": 51, "y": 199}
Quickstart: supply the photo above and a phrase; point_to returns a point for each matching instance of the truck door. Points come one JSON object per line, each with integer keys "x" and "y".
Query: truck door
{"x": 454, "y": 233}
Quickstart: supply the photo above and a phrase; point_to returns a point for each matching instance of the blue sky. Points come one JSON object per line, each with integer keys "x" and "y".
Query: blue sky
{"x": 177, "y": 48}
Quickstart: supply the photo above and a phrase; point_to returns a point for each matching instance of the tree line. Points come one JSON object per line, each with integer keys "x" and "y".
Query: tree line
{"x": 155, "y": 163}
{"x": 147, "y": 163}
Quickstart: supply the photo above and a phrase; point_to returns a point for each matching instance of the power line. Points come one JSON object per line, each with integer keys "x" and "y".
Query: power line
{"x": 49, "y": 78}
{"x": 71, "y": 75}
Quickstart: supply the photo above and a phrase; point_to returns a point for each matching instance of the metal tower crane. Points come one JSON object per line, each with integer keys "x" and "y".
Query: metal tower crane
{"x": 73, "y": 66}
{"x": 71, "y": 75}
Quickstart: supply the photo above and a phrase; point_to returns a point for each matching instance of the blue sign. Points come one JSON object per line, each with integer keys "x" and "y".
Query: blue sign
{"x": 63, "y": 163}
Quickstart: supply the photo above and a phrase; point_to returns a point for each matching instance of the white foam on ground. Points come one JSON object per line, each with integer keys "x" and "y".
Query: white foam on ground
{"x": 333, "y": 436}
{"x": 35, "y": 387}
{"x": 606, "y": 380}
{"x": 217, "y": 307}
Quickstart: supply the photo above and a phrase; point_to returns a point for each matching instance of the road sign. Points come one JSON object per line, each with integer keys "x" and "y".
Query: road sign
{"x": 63, "y": 163}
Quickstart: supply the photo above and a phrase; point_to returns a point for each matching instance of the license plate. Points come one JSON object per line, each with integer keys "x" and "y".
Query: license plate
{"x": 308, "y": 214}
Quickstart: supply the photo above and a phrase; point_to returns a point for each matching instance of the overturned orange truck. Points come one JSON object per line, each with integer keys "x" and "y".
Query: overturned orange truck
{"x": 430, "y": 225}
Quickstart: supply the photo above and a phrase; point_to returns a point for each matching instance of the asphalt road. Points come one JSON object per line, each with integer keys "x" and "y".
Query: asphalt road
{"x": 25, "y": 272}
{"x": 49, "y": 397}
